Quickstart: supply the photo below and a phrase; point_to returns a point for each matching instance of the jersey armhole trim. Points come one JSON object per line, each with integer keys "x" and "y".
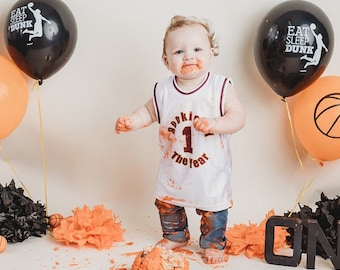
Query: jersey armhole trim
{"x": 226, "y": 80}
{"x": 155, "y": 103}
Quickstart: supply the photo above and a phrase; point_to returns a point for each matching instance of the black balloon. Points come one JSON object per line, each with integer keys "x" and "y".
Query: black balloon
{"x": 41, "y": 36}
{"x": 293, "y": 46}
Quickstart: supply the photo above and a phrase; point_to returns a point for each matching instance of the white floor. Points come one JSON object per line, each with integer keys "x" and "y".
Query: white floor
{"x": 45, "y": 253}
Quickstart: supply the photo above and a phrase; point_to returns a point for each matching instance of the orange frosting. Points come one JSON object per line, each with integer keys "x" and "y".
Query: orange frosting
{"x": 159, "y": 258}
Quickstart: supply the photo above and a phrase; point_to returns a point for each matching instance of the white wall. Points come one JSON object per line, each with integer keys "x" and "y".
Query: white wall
{"x": 113, "y": 69}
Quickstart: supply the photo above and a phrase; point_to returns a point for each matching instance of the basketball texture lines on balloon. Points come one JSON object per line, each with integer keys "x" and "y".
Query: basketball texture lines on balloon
{"x": 327, "y": 115}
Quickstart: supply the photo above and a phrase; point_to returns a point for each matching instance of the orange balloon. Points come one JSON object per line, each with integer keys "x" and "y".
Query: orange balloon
{"x": 316, "y": 118}
{"x": 3, "y": 243}
{"x": 13, "y": 96}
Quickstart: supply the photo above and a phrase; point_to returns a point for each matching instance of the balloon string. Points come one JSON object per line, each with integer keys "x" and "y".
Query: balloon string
{"x": 314, "y": 159}
{"x": 293, "y": 135}
{"x": 302, "y": 193}
{"x": 42, "y": 144}
{"x": 306, "y": 185}
{"x": 15, "y": 173}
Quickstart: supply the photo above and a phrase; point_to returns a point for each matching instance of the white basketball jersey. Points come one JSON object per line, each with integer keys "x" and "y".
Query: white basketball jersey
{"x": 195, "y": 168}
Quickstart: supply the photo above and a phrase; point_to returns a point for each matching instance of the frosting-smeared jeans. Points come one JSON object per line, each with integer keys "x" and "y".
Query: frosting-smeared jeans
{"x": 174, "y": 224}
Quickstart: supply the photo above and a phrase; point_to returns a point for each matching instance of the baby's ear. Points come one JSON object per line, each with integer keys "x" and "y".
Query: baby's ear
{"x": 165, "y": 60}
{"x": 212, "y": 53}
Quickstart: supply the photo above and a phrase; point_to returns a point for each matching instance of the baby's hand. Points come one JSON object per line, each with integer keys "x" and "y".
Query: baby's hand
{"x": 123, "y": 124}
{"x": 204, "y": 125}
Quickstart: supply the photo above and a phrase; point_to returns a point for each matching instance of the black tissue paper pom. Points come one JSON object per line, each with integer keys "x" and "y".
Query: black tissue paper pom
{"x": 327, "y": 214}
{"x": 20, "y": 217}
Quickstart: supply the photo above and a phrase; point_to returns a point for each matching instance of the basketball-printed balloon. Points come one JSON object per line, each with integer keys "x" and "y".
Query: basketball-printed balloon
{"x": 55, "y": 220}
{"x": 327, "y": 114}
{"x": 316, "y": 118}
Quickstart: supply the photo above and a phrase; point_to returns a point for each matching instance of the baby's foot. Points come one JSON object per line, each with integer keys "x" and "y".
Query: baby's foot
{"x": 213, "y": 256}
{"x": 170, "y": 244}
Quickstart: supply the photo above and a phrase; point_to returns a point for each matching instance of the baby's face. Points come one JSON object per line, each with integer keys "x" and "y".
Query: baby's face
{"x": 188, "y": 52}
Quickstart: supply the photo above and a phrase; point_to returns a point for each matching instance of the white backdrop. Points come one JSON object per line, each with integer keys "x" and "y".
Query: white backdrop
{"x": 113, "y": 69}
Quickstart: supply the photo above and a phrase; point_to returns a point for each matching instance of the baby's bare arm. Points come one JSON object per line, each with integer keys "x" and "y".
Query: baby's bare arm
{"x": 232, "y": 120}
{"x": 142, "y": 117}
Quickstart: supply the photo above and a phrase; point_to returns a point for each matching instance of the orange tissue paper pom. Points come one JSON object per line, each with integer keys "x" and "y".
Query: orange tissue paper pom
{"x": 98, "y": 227}
{"x": 250, "y": 239}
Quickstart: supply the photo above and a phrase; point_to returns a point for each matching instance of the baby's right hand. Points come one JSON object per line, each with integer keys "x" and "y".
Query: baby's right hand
{"x": 123, "y": 124}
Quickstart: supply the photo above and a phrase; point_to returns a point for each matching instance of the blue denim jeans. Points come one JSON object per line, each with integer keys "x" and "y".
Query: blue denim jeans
{"x": 174, "y": 224}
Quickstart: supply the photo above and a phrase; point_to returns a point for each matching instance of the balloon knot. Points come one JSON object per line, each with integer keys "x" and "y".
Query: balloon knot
{"x": 40, "y": 81}
{"x": 283, "y": 99}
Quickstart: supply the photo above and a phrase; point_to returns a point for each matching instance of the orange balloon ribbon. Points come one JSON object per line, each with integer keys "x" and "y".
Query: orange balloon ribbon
{"x": 14, "y": 96}
{"x": 306, "y": 185}
{"x": 293, "y": 134}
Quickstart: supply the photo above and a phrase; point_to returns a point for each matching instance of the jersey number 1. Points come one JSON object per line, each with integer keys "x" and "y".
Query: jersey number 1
{"x": 187, "y": 133}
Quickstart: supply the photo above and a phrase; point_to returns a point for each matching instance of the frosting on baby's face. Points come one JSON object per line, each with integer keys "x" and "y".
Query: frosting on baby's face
{"x": 189, "y": 68}
{"x": 188, "y": 52}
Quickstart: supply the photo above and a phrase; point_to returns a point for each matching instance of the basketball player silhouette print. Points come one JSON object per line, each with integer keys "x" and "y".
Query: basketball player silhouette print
{"x": 315, "y": 59}
{"x": 38, "y": 25}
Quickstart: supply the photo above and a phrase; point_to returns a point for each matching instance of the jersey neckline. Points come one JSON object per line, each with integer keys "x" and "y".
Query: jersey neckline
{"x": 192, "y": 91}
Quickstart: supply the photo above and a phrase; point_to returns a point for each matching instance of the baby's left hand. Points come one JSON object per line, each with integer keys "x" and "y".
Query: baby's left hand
{"x": 204, "y": 125}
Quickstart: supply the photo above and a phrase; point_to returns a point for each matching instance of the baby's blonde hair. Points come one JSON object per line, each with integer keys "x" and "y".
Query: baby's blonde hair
{"x": 180, "y": 21}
